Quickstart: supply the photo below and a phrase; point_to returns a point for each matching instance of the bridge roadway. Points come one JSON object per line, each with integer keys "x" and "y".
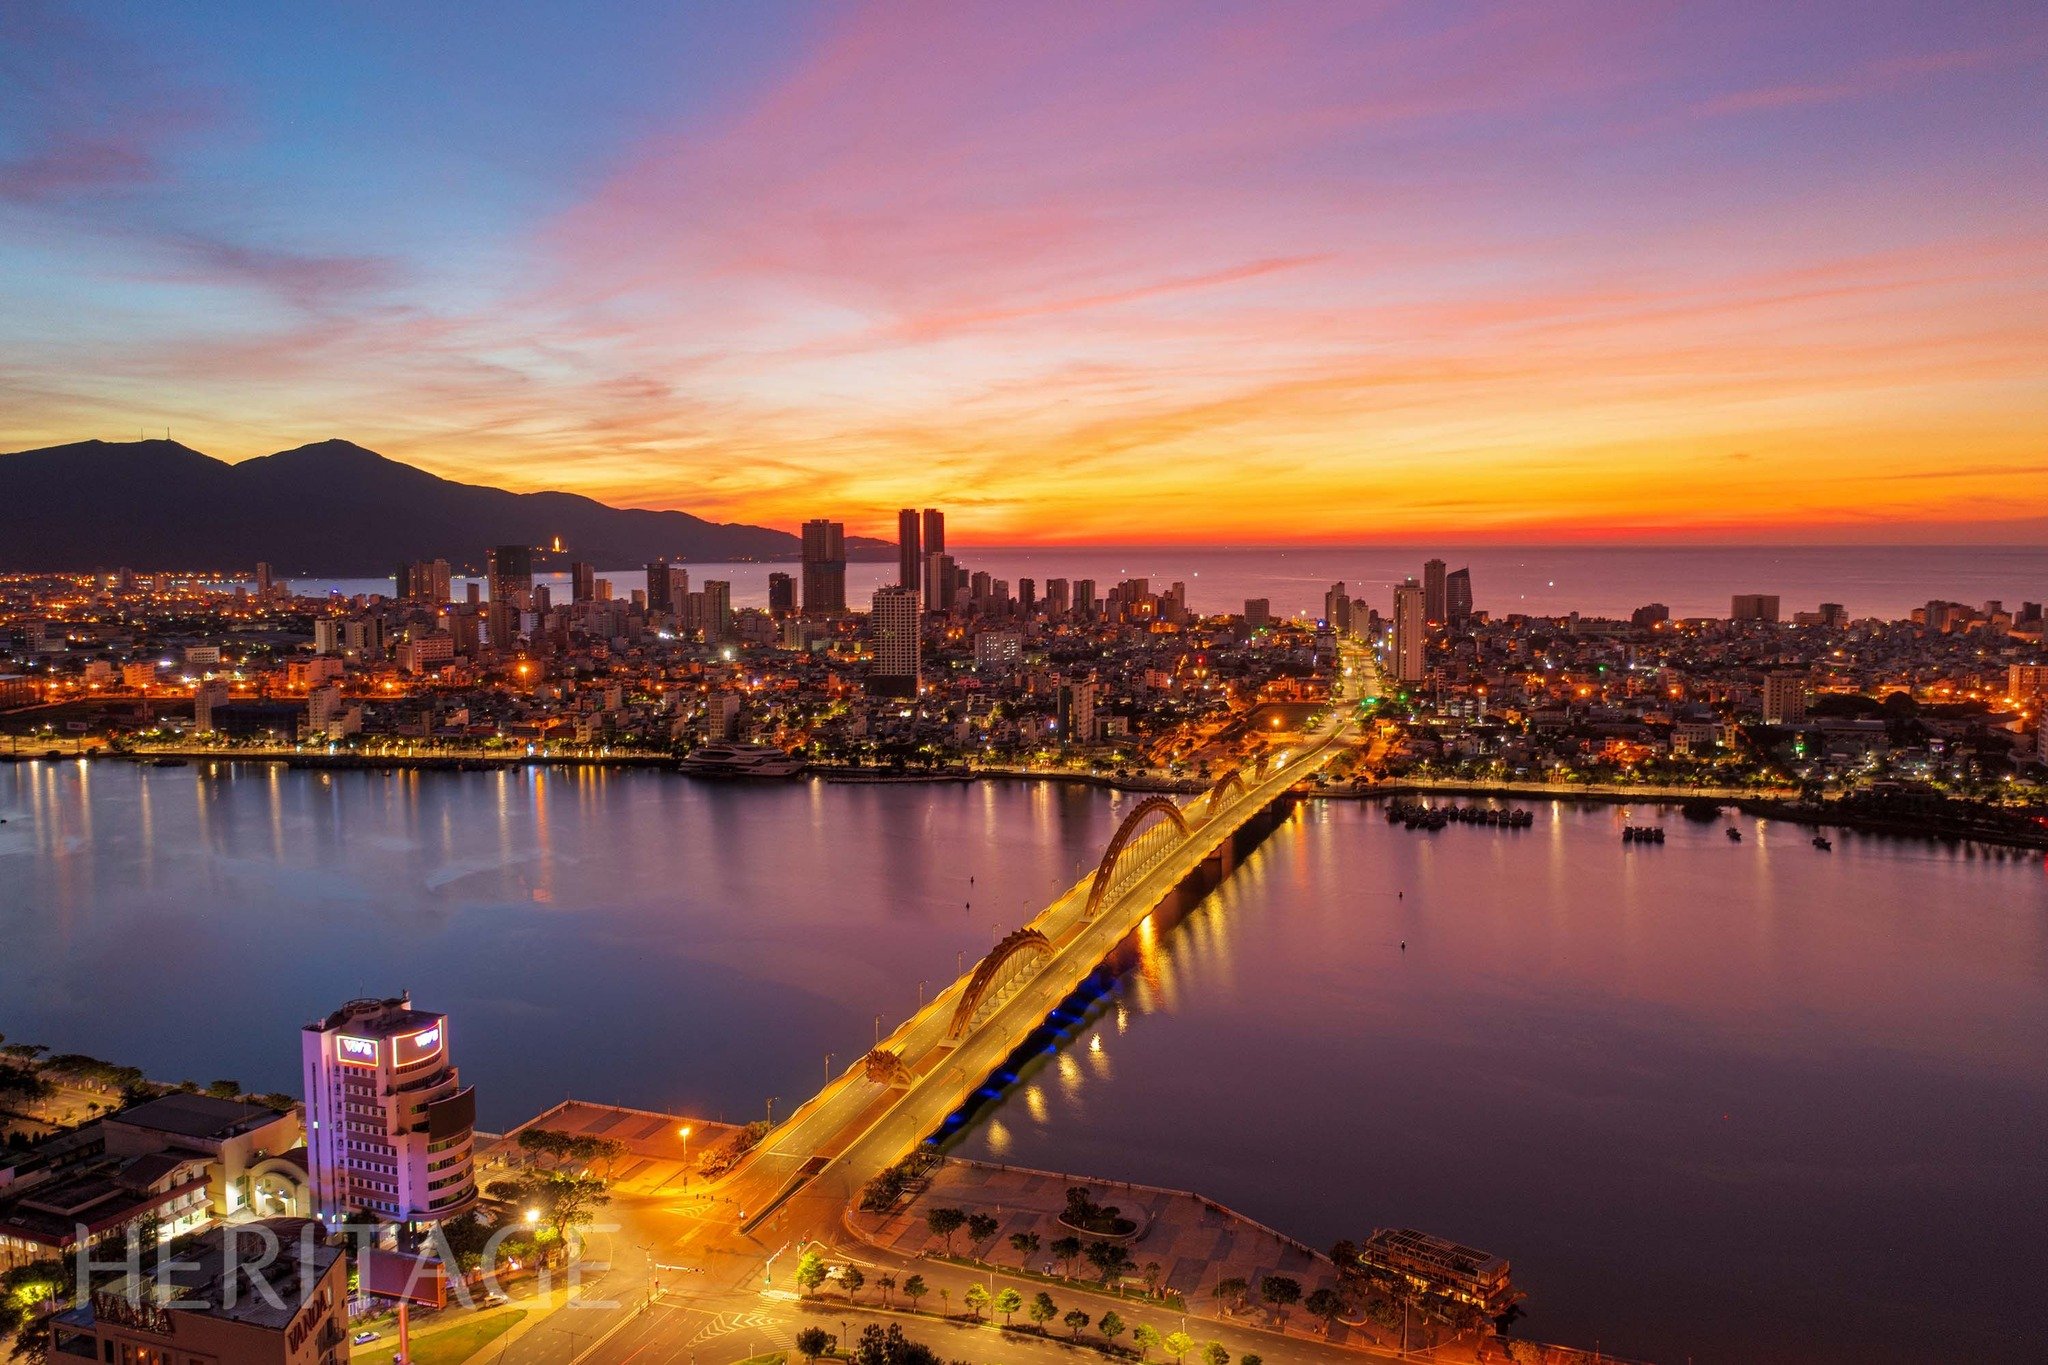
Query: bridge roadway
{"x": 857, "y": 1126}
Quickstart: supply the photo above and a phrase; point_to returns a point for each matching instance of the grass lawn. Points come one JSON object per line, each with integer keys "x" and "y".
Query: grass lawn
{"x": 451, "y": 1345}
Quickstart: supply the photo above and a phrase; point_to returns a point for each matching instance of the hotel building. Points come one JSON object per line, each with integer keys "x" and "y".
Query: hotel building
{"x": 389, "y": 1124}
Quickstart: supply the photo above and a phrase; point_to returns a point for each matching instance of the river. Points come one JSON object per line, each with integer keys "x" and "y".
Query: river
{"x": 1731, "y": 1102}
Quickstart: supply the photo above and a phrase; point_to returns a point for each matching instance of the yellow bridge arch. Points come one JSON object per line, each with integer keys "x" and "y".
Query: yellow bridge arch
{"x": 1005, "y": 962}
{"x": 1137, "y": 823}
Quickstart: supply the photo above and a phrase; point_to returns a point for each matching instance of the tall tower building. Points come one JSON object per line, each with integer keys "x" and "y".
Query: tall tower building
{"x": 389, "y": 1124}
{"x": 1411, "y": 632}
{"x": 781, "y": 595}
{"x": 582, "y": 582}
{"x": 1785, "y": 698}
{"x": 893, "y": 622}
{"x": 933, "y": 541}
{"x": 1434, "y": 604}
{"x": 717, "y": 609}
{"x": 510, "y": 572}
{"x": 660, "y": 587}
{"x": 1084, "y": 599}
{"x": 909, "y": 549}
{"x": 939, "y": 574}
{"x": 824, "y": 568}
{"x": 1458, "y": 599}
{"x": 1337, "y": 609}
{"x": 1076, "y": 715}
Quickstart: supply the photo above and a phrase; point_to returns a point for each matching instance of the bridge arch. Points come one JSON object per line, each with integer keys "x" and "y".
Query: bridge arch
{"x": 1135, "y": 825}
{"x": 1232, "y": 780}
{"x": 1018, "y": 953}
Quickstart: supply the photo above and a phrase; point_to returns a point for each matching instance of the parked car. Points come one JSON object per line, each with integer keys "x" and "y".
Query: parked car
{"x": 363, "y": 1338}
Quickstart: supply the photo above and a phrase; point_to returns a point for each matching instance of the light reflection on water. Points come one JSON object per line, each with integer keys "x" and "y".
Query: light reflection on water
{"x": 1701, "y": 1093}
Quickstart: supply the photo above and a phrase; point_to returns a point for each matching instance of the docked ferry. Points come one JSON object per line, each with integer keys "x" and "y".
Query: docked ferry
{"x": 741, "y": 760}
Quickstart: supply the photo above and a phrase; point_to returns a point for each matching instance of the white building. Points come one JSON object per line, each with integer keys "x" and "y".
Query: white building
{"x": 389, "y": 1125}
{"x": 893, "y": 621}
{"x": 1411, "y": 632}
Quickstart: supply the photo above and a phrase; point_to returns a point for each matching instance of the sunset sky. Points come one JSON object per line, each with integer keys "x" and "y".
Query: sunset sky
{"x": 1085, "y": 272}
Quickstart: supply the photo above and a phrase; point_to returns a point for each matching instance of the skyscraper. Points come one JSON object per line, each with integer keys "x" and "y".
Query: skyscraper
{"x": 909, "y": 549}
{"x": 1084, "y": 598}
{"x": 717, "y": 609}
{"x": 781, "y": 595}
{"x": 583, "y": 582}
{"x": 1433, "y": 593}
{"x": 1258, "y": 613}
{"x": 388, "y": 1122}
{"x": 1458, "y": 599}
{"x": 893, "y": 622}
{"x": 1411, "y": 632}
{"x": 510, "y": 572}
{"x": 660, "y": 588}
{"x": 824, "y": 568}
{"x": 1785, "y": 698}
{"x": 1075, "y": 719}
{"x": 1337, "y": 609}
{"x": 939, "y": 576}
{"x": 1753, "y": 606}
{"x": 933, "y": 540}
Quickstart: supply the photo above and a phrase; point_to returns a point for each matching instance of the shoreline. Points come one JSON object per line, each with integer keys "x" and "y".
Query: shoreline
{"x": 1769, "y": 803}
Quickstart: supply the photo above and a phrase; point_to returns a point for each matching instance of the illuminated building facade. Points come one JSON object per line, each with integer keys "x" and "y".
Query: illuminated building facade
{"x": 389, "y": 1125}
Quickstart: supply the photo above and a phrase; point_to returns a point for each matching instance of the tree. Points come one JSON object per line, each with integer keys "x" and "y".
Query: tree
{"x": 1075, "y": 1320}
{"x": 1043, "y": 1309}
{"x": 1153, "y": 1273}
{"x": 888, "y": 1287}
{"x": 944, "y": 1223}
{"x": 1234, "y": 1294}
{"x": 1251, "y": 1358}
{"x": 1177, "y": 1344}
{"x": 1214, "y": 1354}
{"x": 1026, "y": 1245}
{"x": 976, "y": 1299}
{"x": 980, "y": 1227}
{"x": 852, "y": 1281}
{"x": 562, "y": 1201}
{"x": 1064, "y": 1250}
{"x": 1008, "y": 1302}
{"x": 1111, "y": 1327}
{"x": 914, "y": 1289}
{"x": 1280, "y": 1291}
{"x": 880, "y": 1346}
{"x": 1110, "y": 1258}
{"x": 810, "y": 1272}
{"x": 814, "y": 1342}
{"x": 1144, "y": 1337}
{"x": 1327, "y": 1304}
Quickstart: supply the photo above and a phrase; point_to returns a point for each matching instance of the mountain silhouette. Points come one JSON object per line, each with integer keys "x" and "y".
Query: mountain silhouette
{"x": 331, "y": 508}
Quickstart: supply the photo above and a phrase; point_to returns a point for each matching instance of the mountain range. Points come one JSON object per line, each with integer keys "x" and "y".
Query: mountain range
{"x": 328, "y": 509}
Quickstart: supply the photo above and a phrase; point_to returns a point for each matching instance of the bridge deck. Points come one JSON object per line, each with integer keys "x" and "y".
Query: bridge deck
{"x": 862, "y": 1125}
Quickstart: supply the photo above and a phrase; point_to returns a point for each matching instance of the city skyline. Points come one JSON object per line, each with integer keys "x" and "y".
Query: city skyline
{"x": 1128, "y": 275}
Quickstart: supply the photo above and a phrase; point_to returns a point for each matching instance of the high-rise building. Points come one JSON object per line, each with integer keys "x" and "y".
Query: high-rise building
{"x": 661, "y": 587}
{"x": 1027, "y": 595}
{"x": 1834, "y": 615}
{"x": 1753, "y": 606}
{"x": 1458, "y": 599}
{"x": 264, "y": 582}
{"x": 909, "y": 550}
{"x": 717, "y": 609}
{"x": 781, "y": 595}
{"x": 2025, "y": 680}
{"x": 940, "y": 581}
{"x": 933, "y": 540}
{"x": 510, "y": 572}
{"x": 1649, "y": 616}
{"x": 389, "y": 1124}
{"x": 1075, "y": 719}
{"x": 1785, "y": 698}
{"x": 582, "y": 582}
{"x": 898, "y": 640}
{"x": 1337, "y": 609}
{"x": 1084, "y": 598}
{"x": 998, "y": 653}
{"x": 824, "y": 568}
{"x": 1435, "y": 597}
{"x": 1411, "y": 633}
{"x": 1258, "y": 613}
{"x": 1058, "y": 601}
